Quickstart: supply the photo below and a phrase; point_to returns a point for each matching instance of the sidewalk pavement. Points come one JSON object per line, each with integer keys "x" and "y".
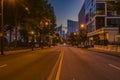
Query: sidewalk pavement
{"x": 21, "y": 51}
{"x": 18, "y": 51}
{"x": 113, "y": 53}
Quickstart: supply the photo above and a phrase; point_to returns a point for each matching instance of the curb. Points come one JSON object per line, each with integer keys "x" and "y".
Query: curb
{"x": 116, "y": 54}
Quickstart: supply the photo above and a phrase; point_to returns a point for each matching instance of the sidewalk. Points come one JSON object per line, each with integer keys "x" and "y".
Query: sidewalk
{"x": 21, "y": 51}
{"x": 18, "y": 51}
{"x": 113, "y": 53}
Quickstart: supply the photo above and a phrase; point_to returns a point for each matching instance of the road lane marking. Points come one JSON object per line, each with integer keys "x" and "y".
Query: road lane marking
{"x": 4, "y": 65}
{"x": 60, "y": 66}
{"x": 53, "y": 70}
{"x": 52, "y": 74}
{"x": 113, "y": 66}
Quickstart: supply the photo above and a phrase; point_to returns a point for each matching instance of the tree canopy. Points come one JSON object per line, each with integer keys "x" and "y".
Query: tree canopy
{"x": 40, "y": 12}
{"x": 29, "y": 12}
{"x": 30, "y": 15}
{"x": 114, "y": 5}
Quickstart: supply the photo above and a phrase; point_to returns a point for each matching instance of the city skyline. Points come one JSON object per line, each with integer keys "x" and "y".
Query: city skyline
{"x": 65, "y": 10}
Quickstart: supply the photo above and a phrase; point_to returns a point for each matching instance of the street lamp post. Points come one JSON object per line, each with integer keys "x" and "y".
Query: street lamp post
{"x": 32, "y": 41}
{"x": 32, "y": 33}
{"x": 82, "y": 31}
{"x": 2, "y": 30}
{"x": 50, "y": 37}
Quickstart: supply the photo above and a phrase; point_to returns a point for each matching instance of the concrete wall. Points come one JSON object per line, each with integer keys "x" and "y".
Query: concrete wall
{"x": 111, "y": 36}
{"x": 114, "y": 48}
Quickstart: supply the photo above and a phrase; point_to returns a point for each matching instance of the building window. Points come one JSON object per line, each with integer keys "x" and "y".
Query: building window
{"x": 100, "y": 22}
{"x": 94, "y": 11}
{"x": 100, "y": 8}
{"x": 113, "y": 22}
{"x": 90, "y": 27}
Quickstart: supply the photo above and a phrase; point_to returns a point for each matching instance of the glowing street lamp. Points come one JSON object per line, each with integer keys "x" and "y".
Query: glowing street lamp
{"x": 32, "y": 32}
{"x": 74, "y": 33}
{"x": 26, "y": 8}
{"x": 82, "y": 25}
{"x": 46, "y": 23}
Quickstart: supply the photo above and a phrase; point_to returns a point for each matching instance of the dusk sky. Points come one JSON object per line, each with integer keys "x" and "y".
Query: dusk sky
{"x": 66, "y": 9}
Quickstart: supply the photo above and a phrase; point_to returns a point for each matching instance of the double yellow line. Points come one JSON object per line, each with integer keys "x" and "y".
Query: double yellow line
{"x": 55, "y": 73}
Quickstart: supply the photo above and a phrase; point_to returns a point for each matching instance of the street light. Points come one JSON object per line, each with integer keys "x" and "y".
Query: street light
{"x": 32, "y": 32}
{"x": 27, "y": 9}
{"x": 82, "y": 25}
{"x": 2, "y": 27}
{"x": 83, "y": 33}
{"x": 74, "y": 33}
{"x": 46, "y": 23}
{"x": 32, "y": 42}
{"x": 2, "y": 30}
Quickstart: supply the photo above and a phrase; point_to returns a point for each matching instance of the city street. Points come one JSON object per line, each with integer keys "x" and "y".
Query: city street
{"x": 80, "y": 64}
{"x": 60, "y": 40}
{"x": 59, "y": 63}
{"x": 31, "y": 65}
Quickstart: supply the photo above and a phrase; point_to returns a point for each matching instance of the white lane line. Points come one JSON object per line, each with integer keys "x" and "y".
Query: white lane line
{"x": 113, "y": 66}
{"x": 4, "y": 65}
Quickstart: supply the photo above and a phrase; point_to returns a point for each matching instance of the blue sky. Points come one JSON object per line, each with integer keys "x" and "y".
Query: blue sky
{"x": 66, "y": 9}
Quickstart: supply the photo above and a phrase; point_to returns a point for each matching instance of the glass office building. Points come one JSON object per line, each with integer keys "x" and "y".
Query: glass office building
{"x": 72, "y": 26}
{"x": 101, "y": 22}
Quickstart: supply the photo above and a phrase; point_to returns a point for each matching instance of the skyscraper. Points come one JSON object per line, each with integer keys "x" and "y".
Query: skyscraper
{"x": 72, "y": 26}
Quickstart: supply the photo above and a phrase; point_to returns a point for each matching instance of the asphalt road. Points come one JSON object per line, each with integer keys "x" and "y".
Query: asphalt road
{"x": 31, "y": 65}
{"x": 81, "y": 64}
{"x": 59, "y": 63}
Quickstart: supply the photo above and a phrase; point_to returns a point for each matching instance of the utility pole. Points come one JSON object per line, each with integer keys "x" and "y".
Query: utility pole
{"x": 2, "y": 30}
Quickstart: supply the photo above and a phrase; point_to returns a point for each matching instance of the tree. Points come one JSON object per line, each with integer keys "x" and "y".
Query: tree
{"x": 28, "y": 14}
{"x": 82, "y": 37}
{"x": 40, "y": 13}
{"x": 73, "y": 38}
{"x": 113, "y": 6}
{"x": 9, "y": 28}
{"x": 24, "y": 35}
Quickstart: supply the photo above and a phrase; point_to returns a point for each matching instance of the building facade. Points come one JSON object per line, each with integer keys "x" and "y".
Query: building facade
{"x": 72, "y": 26}
{"x": 81, "y": 16}
{"x": 61, "y": 31}
{"x": 102, "y": 23}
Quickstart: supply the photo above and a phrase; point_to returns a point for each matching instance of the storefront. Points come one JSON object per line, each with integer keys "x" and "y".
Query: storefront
{"x": 102, "y": 36}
